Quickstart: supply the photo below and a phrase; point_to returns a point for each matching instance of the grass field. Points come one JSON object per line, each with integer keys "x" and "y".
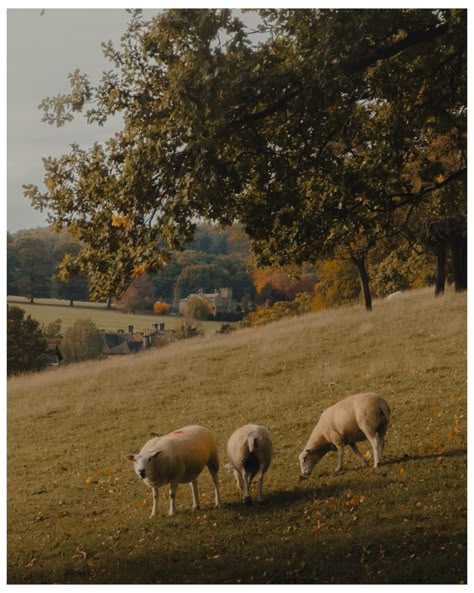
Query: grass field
{"x": 78, "y": 514}
{"x": 49, "y": 310}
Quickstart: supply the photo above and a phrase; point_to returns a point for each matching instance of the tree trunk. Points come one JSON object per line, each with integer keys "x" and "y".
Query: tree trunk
{"x": 440, "y": 269}
{"x": 459, "y": 251}
{"x": 71, "y": 302}
{"x": 109, "y": 303}
{"x": 364, "y": 281}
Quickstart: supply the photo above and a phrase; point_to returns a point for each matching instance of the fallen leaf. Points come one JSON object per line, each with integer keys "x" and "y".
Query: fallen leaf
{"x": 81, "y": 555}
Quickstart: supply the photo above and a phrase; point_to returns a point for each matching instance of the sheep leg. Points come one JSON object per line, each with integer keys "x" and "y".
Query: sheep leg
{"x": 213, "y": 472}
{"x": 247, "y": 480}
{"x": 154, "y": 507}
{"x": 173, "y": 488}
{"x": 353, "y": 446}
{"x": 238, "y": 480}
{"x": 340, "y": 456}
{"x": 260, "y": 487}
{"x": 194, "y": 490}
{"x": 381, "y": 445}
{"x": 374, "y": 441}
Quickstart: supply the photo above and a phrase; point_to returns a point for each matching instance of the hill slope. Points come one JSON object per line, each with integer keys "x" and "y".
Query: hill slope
{"x": 77, "y": 513}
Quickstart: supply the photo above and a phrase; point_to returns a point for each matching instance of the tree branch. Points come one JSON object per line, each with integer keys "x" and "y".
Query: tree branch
{"x": 385, "y": 53}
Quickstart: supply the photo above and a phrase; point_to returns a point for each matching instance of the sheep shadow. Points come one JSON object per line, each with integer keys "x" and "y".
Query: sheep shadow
{"x": 429, "y": 456}
{"x": 315, "y": 487}
{"x": 276, "y": 499}
{"x": 387, "y": 461}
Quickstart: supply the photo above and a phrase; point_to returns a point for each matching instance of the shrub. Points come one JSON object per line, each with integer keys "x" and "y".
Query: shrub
{"x": 26, "y": 345}
{"x": 197, "y": 308}
{"x": 161, "y": 308}
{"x": 82, "y": 341}
{"x": 400, "y": 270}
{"x": 263, "y": 315}
{"x": 338, "y": 284}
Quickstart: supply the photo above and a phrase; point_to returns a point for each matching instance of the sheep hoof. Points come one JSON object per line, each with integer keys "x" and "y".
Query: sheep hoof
{"x": 247, "y": 501}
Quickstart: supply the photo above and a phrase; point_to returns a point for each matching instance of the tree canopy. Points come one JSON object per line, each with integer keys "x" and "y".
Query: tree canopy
{"x": 320, "y": 137}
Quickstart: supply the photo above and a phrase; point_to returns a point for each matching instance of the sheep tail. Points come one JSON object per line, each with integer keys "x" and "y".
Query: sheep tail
{"x": 252, "y": 443}
{"x": 385, "y": 409}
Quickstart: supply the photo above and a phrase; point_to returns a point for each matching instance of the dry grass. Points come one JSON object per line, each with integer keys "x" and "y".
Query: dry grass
{"x": 77, "y": 513}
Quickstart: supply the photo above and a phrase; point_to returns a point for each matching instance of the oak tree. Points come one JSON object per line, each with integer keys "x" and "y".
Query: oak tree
{"x": 307, "y": 135}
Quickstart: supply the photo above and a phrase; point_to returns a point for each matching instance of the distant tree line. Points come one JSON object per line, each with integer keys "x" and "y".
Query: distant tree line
{"x": 214, "y": 259}
{"x": 218, "y": 258}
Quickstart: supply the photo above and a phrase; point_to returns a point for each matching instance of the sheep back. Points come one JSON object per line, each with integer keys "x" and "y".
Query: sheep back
{"x": 352, "y": 417}
{"x": 247, "y": 444}
{"x": 183, "y": 454}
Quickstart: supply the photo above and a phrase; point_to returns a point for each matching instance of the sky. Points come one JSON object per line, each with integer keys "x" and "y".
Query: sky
{"x": 42, "y": 49}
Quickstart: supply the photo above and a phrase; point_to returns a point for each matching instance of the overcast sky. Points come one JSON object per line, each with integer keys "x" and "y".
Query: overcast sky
{"x": 42, "y": 49}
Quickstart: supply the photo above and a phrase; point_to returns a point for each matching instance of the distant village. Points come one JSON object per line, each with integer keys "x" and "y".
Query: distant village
{"x": 133, "y": 341}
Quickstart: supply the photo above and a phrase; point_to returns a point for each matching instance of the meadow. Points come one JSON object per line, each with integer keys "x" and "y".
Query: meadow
{"x": 77, "y": 513}
{"x": 48, "y": 310}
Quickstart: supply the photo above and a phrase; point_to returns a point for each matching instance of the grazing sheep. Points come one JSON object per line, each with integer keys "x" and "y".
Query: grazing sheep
{"x": 250, "y": 451}
{"x": 360, "y": 417}
{"x": 394, "y": 295}
{"x": 177, "y": 458}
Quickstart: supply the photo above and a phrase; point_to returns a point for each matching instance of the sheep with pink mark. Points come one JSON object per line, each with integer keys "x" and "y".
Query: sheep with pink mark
{"x": 177, "y": 458}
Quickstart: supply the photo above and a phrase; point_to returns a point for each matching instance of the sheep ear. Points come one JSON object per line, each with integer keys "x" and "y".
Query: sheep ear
{"x": 155, "y": 454}
{"x": 310, "y": 451}
{"x": 130, "y": 457}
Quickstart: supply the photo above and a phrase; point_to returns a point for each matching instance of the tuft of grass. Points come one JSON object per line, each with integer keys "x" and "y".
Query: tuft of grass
{"x": 78, "y": 514}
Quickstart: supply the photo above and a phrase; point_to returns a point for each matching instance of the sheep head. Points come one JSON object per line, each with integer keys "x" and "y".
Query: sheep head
{"x": 141, "y": 463}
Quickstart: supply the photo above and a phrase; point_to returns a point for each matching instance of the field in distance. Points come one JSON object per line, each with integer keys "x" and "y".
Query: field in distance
{"x": 77, "y": 513}
{"x": 49, "y": 310}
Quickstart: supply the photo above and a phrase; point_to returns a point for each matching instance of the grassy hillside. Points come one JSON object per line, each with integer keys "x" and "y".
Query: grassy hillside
{"x": 49, "y": 310}
{"x": 78, "y": 514}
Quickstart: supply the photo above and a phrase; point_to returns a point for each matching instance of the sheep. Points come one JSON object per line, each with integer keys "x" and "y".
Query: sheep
{"x": 177, "y": 458}
{"x": 249, "y": 449}
{"x": 394, "y": 295}
{"x": 360, "y": 417}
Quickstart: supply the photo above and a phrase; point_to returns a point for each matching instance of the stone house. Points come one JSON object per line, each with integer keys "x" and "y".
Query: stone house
{"x": 220, "y": 301}
{"x": 130, "y": 342}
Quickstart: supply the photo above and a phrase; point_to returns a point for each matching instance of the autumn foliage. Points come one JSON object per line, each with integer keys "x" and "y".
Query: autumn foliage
{"x": 337, "y": 284}
{"x": 161, "y": 308}
{"x": 277, "y": 285}
{"x": 263, "y": 315}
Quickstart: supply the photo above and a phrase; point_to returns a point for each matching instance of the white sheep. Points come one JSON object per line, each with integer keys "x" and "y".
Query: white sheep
{"x": 394, "y": 295}
{"x": 360, "y": 417}
{"x": 177, "y": 458}
{"x": 250, "y": 451}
